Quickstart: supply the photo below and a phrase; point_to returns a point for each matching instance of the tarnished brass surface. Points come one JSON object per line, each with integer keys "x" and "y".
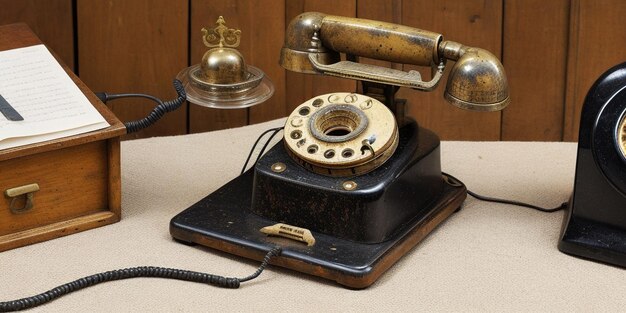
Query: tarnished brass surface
{"x": 301, "y": 30}
{"x": 378, "y": 74}
{"x": 380, "y": 40}
{"x": 223, "y": 79}
{"x": 298, "y": 61}
{"x": 477, "y": 82}
{"x": 349, "y": 185}
{"x": 28, "y": 191}
{"x": 18, "y": 191}
{"x": 341, "y": 134}
{"x": 301, "y": 39}
{"x": 255, "y": 76}
{"x": 279, "y": 167}
{"x": 313, "y": 42}
{"x": 222, "y": 64}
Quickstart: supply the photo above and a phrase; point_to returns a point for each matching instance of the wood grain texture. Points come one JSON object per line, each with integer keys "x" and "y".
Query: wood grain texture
{"x": 262, "y": 25}
{"x": 267, "y": 19}
{"x": 56, "y": 230}
{"x": 302, "y": 87}
{"x": 114, "y": 177}
{"x": 79, "y": 176}
{"x": 597, "y": 43}
{"x": 535, "y": 60}
{"x": 471, "y": 22}
{"x": 135, "y": 46}
{"x": 51, "y": 20}
{"x": 73, "y": 182}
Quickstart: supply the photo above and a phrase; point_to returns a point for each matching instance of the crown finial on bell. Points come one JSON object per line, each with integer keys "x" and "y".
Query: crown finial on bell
{"x": 222, "y": 64}
{"x": 221, "y": 36}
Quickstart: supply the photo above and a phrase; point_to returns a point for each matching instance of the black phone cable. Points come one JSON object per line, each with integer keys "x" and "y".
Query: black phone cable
{"x": 267, "y": 142}
{"x": 156, "y": 113}
{"x": 469, "y": 192}
{"x": 512, "y": 202}
{"x": 134, "y": 272}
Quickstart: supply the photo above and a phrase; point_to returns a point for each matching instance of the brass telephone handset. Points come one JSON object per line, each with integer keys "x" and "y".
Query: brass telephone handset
{"x": 313, "y": 42}
{"x": 354, "y": 179}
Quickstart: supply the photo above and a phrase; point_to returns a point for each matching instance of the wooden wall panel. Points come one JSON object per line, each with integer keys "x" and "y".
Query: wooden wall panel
{"x": 135, "y": 46}
{"x": 470, "y": 22}
{"x": 268, "y": 28}
{"x": 597, "y": 42}
{"x": 262, "y": 23}
{"x": 302, "y": 87}
{"x": 51, "y": 20}
{"x": 553, "y": 51}
{"x": 535, "y": 60}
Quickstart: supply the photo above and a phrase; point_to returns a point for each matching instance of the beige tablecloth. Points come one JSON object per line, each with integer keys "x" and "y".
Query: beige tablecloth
{"x": 488, "y": 257}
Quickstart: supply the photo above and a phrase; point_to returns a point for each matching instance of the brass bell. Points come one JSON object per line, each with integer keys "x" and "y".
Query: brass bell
{"x": 223, "y": 79}
{"x": 222, "y": 64}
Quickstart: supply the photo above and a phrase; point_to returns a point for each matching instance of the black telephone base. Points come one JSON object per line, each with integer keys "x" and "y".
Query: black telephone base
{"x": 224, "y": 222}
{"x": 402, "y": 202}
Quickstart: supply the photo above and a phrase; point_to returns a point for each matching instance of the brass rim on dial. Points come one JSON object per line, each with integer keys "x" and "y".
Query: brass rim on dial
{"x": 341, "y": 134}
{"x": 621, "y": 136}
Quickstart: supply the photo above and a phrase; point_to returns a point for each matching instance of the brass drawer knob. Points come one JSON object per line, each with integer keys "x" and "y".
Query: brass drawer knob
{"x": 14, "y": 193}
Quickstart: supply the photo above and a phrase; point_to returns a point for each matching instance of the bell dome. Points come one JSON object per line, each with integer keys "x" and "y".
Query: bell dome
{"x": 223, "y": 66}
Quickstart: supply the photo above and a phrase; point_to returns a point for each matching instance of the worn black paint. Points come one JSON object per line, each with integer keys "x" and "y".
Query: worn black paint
{"x": 384, "y": 200}
{"x": 395, "y": 200}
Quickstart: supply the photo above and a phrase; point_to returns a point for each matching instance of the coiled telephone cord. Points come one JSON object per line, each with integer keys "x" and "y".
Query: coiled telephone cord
{"x": 156, "y": 113}
{"x": 134, "y": 272}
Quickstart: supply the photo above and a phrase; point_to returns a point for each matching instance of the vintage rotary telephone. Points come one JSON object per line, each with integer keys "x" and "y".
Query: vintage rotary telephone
{"x": 354, "y": 185}
{"x": 355, "y": 182}
{"x": 595, "y": 226}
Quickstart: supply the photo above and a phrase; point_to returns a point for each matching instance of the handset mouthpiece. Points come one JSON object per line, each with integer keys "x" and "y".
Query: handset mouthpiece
{"x": 477, "y": 80}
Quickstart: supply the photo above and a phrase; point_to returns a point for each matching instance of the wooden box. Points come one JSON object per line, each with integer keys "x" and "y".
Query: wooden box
{"x": 78, "y": 176}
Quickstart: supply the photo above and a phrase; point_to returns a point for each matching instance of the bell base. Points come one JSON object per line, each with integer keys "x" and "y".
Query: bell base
{"x": 224, "y": 222}
{"x": 257, "y": 89}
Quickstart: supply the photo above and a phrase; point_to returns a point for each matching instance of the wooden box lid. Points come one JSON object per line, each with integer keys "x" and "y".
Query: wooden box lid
{"x": 20, "y": 35}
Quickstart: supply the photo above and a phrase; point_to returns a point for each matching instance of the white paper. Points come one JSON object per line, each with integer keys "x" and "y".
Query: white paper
{"x": 36, "y": 85}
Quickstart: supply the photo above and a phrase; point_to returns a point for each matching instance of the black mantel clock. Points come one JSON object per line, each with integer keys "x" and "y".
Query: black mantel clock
{"x": 595, "y": 225}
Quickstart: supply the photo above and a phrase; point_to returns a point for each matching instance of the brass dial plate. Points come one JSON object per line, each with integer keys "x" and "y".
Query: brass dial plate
{"x": 341, "y": 134}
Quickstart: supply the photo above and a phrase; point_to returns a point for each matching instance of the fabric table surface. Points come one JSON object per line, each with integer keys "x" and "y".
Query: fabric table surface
{"x": 487, "y": 257}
